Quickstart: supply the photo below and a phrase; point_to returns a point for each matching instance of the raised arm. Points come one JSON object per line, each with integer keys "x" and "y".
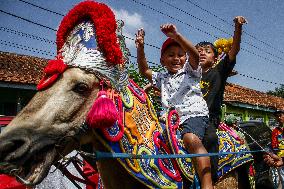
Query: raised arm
{"x": 170, "y": 30}
{"x": 239, "y": 21}
{"x": 141, "y": 58}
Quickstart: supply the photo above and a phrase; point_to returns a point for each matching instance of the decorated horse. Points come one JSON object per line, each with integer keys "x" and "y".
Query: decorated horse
{"x": 86, "y": 97}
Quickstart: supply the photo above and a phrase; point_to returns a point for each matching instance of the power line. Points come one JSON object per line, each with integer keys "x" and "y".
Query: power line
{"x": 41, "y": 8}
{"x": 265, "y": 58}
{"x": 198, "y": 29}
{"x": 27, "y": 20}
{"x": 26, "y": 35}
{"x": 263, "y": 50}
{"x": 241, "y": 48}
{"x": 48, "y": 53}
{"x": 50, "y": 41}
{"x": 243, "y": 75}
{"x": 23, "y": 47}
{"x": 250, "y": 35}
{"x": 181, "y": 22}
{"x": 147, "y": 60}
{"x": 209, "y": 12}
{"x": 271, "y": 82}
{"x": 148, "y": 44}
{"x": 185, "y": 12}
{"x": 194, "y": 17}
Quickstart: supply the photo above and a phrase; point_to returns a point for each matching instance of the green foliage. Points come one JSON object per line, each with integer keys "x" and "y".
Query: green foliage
{"x": 142, "y": 82}
{"x": 136, "y": 77}
{"x": 278, "y": 91}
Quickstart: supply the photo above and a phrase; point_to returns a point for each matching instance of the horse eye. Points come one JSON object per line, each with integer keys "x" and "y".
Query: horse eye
{"x": 80, "y": 88}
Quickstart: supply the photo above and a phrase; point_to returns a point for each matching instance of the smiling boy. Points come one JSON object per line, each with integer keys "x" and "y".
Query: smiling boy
{"x": 180, "y": 89}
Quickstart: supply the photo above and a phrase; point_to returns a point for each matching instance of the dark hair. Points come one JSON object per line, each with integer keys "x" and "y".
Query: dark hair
{"x": 205, "y": 43}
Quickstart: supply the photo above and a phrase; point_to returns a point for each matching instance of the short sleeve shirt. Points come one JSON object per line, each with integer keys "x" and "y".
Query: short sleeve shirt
{"x": 213, "y": 85}
{"x": 182, "y": 92}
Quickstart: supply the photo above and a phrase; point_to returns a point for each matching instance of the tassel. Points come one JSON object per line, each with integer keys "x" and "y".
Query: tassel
{"x": 52, "y": 71}
{"x": 103, "y": 113}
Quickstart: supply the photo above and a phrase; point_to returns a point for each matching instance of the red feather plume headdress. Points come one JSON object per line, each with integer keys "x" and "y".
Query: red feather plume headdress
{"x": 87, "y": 39}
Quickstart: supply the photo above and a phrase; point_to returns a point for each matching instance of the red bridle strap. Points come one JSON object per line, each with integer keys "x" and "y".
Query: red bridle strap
{"x": 53, "y": 69}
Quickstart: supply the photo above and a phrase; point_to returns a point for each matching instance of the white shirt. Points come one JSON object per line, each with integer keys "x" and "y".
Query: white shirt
{"x": 182, "y": 91}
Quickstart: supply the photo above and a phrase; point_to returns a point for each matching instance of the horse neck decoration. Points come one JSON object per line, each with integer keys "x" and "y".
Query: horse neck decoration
{"x": 51, "y": 125}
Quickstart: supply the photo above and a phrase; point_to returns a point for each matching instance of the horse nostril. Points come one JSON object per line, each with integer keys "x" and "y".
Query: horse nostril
{"x": 5, "y": 148}
{"x": 6, "y": 145}
{"x": 12, "y": 149}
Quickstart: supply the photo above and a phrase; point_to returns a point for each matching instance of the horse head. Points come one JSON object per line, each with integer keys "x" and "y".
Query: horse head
{"x": 52, "y": 124}
{"x": 50, "y": 120}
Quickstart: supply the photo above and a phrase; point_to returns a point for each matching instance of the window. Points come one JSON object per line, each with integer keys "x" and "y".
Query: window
{"x": 238, "y": 116}
{"x": 256, "y": 118}
{"x": 8, "y": 108}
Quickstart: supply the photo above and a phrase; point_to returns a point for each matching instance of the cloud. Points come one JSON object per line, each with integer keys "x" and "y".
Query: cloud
{"x": 132, "y": 22}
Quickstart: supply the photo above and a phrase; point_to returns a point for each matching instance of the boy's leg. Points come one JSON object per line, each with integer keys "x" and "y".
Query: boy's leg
{"x": 202, "y": 164}
{"x": 210, "y": 142}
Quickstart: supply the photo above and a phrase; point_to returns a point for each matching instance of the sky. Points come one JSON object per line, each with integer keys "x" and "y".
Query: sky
{"x": 260, "y": 62}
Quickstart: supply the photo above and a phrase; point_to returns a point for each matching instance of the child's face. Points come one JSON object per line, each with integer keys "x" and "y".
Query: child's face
{"x": 280, "y": 118}
{"x": 206, "y": 56}
{"x": 173, "y": 58}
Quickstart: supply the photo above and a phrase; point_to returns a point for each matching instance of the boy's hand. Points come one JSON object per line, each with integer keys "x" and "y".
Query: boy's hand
{"x": 240, "y": 20}
{"x": 273, "y": 160}
{"x": 169, "y": 30}
{"x": 139, "y": 41}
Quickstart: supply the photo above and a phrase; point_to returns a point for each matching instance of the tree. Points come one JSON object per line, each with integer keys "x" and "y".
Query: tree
{"x": 278, "y": 91}
{"x": 142, "y": 82}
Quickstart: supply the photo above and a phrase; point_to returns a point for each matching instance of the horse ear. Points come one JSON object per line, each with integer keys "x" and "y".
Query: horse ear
{"x": 103, "y": 113}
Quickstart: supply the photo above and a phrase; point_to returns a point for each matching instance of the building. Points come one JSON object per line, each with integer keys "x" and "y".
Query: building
{"x": 248, "y": 104}
{"x": 19, "y": 75}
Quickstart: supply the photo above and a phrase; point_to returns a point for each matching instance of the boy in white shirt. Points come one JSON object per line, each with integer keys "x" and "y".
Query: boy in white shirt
{"x": 180, "y": 89}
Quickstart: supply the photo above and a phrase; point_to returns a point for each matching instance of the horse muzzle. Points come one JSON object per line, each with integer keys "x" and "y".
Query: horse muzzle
{"x": 26, "y": 157}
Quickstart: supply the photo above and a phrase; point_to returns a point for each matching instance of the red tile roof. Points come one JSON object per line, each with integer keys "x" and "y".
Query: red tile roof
{"x": 21, "y": 69}
{"x": 240, "y": 94}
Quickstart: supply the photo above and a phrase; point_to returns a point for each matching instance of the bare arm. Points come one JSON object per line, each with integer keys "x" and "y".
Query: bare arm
{"x": 170, "y": 30}
{"x": 273, "y": 160}
{"x": 239, "y": 21}
{"x": 141, "y": 58}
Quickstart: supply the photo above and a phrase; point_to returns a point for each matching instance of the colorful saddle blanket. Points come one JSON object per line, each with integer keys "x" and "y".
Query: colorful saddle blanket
{"x": 139, "y": 132}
